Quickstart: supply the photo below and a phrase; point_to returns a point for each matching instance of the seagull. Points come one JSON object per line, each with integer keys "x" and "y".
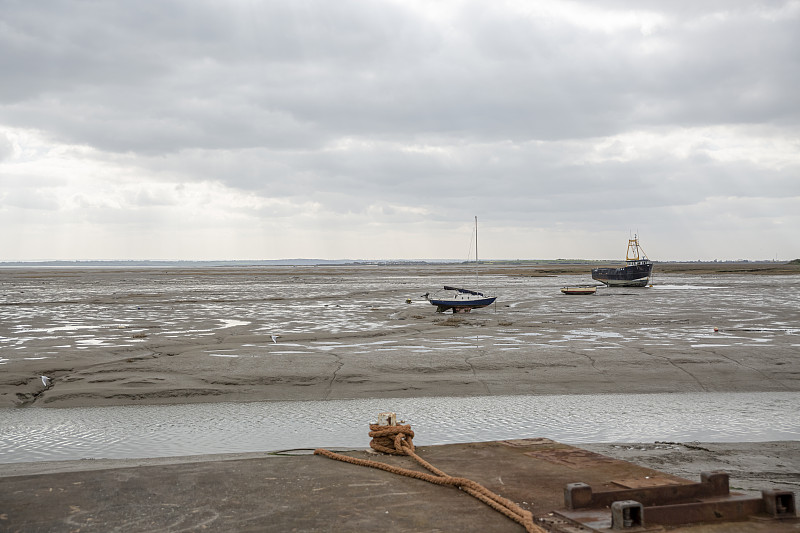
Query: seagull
{"x": 45, "y": 381}
{"x": 275, "y": 338}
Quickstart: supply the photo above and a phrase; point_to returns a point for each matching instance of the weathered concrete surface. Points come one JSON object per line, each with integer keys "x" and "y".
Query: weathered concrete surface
{"x": 312, "y": 493}
{"x": 752, "y": 466}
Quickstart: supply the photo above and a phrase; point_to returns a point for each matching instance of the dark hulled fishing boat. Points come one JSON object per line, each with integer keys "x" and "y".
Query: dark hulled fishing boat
{"x": 635, "y": 273}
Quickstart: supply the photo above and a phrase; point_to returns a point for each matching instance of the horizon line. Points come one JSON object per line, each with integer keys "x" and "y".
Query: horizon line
{"x": 318, "y": 261}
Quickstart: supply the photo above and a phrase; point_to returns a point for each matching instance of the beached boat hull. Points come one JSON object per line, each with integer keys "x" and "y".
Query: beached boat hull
{"x": 579, "y": 290}
{"x": 460, "y": 305}
{"x": 635, "y": 275}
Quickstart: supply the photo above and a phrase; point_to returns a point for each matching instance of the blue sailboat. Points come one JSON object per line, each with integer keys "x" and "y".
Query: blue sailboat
{"x": 458, "y": 299}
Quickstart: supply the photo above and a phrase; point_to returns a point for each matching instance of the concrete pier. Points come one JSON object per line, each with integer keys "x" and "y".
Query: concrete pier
{"x": 297, "y": 491}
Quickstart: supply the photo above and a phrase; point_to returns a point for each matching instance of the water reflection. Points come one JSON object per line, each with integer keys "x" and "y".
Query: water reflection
{"x": 161, "y": 431}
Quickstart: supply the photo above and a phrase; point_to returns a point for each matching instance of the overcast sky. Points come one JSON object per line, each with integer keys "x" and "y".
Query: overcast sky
{"x": 379, "y": 129}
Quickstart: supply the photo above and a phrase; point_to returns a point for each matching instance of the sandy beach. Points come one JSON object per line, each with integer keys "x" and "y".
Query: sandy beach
{"x": 154, "y": 336}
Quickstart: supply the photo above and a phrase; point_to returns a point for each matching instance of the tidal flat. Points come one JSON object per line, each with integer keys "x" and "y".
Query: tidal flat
{"x": 147, "y": 336}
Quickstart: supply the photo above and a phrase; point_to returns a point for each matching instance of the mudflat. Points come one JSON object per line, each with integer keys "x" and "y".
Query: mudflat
{"x": 112, "y": 336}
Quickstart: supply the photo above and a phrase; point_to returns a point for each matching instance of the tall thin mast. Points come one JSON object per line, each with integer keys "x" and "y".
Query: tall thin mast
{"x": 476, "y": 238}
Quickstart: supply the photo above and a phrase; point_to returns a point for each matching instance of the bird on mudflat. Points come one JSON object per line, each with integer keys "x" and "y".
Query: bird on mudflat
{"x": 45, "y": 381}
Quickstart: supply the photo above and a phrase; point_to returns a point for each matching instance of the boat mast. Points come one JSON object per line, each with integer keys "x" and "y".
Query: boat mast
{"x": 476, "y": 251}
{"x": 635, "y": 252}
{"x": 633, "y": 249}
{"x": 476, "y": 239}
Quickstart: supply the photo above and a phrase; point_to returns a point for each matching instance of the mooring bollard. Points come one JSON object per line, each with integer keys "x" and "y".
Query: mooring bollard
{"x": 779, "y": 503}
{"x": 627, "y": 514}
{"x": 387, "y": 419}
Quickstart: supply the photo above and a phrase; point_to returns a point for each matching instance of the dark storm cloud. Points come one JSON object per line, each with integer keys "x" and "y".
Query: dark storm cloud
{"x": 166, "y": 76}
{"x": 174, "y": 75}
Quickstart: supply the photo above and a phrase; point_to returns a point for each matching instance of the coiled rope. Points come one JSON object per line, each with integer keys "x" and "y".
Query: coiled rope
{"x": 398, "y": 440}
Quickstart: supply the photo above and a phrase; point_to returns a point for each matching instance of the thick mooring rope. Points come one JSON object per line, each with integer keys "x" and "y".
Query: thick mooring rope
{"x": 398, "y": 440}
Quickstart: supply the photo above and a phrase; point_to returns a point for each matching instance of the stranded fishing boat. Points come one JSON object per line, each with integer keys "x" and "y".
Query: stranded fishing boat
{"x": 635, "y": 273}
{"x": 461, "y": 300}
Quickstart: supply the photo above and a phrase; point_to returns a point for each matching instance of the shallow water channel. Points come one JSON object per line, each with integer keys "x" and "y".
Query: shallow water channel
{"x": 36, "y": 434}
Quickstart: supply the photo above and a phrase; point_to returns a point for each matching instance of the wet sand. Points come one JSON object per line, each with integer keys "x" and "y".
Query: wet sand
{"x": 155, "y": 336}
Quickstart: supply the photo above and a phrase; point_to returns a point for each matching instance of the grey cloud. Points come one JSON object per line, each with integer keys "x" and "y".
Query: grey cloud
{"x": 518, "y": 180}
{"x": 175, "y": 75}
{"x": 6, "y": 148}
{"x": 183, "y": 71}
{"x": 29, "y": 199}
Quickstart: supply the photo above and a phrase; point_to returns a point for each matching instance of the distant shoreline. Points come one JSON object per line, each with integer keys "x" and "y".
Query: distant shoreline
{"x": 533, "y": 267}
{"x": 369, "y": 262}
